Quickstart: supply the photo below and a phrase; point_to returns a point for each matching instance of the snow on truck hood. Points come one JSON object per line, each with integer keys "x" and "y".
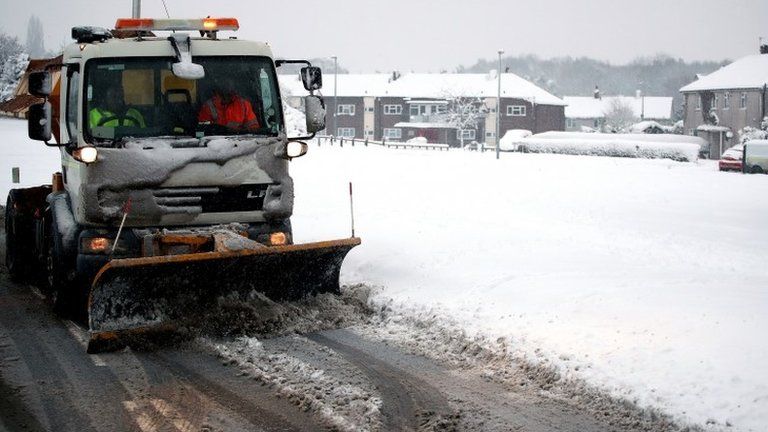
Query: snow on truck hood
{"x": 145, "y": 164}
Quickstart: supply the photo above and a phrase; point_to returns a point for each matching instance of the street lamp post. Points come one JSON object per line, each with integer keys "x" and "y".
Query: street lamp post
{"x": 335, "y": 93}
{"x": 498, "y": 107}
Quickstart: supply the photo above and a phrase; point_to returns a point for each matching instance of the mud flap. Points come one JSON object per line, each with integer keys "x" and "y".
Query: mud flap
{"x": 133, "y": 296}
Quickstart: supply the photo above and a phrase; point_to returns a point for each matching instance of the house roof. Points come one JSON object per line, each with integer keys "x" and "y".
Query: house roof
{"x": 424, "y": 125}
{"x": 748, "y": 72}
{"x": 40, "y": 64}
{"x": 649, "y": 107}
{"x": 422, "y": 85}
{"x": 19, "y": 103}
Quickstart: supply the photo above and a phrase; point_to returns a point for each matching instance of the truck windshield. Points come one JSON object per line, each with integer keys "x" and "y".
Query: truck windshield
{"x": 143, "y": 98}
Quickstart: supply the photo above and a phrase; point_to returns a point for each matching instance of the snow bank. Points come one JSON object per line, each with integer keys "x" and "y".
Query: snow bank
{"x": 643, "y": 277}
{"x": 649, "y": 146}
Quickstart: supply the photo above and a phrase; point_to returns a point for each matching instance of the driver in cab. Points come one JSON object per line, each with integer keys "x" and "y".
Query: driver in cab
{"x": 113, "y": 112}
{"x": 227, "y": 108}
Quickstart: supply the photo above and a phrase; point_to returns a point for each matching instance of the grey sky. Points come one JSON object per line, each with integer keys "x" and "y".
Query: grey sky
{"x": 429, "y": 35}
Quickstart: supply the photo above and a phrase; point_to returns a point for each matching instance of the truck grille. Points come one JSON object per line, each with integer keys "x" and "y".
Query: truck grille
{"x": 248, "y": 197}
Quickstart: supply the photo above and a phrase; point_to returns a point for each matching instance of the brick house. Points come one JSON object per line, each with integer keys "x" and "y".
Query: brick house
{"x": 398, "y": 108}
{"x": 720, "y": 105}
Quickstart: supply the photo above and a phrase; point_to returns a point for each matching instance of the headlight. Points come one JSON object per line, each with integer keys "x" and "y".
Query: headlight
{"x": 85, "y": 154}
{"x": 296, "y": 149}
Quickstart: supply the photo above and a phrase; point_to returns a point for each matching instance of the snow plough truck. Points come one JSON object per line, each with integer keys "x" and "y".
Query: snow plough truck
{"x": 159, "y": 210}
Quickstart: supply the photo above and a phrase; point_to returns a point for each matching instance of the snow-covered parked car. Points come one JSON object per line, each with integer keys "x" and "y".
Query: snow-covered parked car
{"x": 650, "y": 127}
{"x": 512, "y": 138}
{"x": 731, "y": 159}
{"x": 417, "y": 140}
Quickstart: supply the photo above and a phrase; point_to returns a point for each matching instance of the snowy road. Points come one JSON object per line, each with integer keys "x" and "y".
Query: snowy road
{"x": 341, "y": 379}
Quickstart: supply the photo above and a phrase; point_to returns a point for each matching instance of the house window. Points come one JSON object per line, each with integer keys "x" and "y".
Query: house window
{"x": 569, "y": 122}
{"x": 415, "y": 110}
{"x": 726, "y": 100}
{"x": 346, "y": 109}
{"x": 368, "y": 133}
{"x": 411, "y": 133}
{"x": 345, "y": 132}
{"x": 393, "y": 109}
{"x": 465, "y": 134}
{"x": 713, "y": 103}
{"x": 393, "y": 133}
{"x": 489, "y": 134}
{"x": 698, "y": 102}
{"x": 516, "y": 110}
{"x": 368, "y": 109}
{"x": 743, "y": 102}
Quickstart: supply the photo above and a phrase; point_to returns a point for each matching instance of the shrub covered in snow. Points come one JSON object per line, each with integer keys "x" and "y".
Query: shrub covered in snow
{"x": 750, "y": 133}
{"x": 649, "y": 146}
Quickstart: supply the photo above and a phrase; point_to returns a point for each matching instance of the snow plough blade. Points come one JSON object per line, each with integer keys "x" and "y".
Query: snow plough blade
{"x": 133, "y": 296}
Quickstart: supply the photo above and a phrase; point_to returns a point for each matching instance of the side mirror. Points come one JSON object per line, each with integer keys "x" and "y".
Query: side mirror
{"x": 39, "y": 123}
{"x": 40, "y": 84}
{"x": 315, "y": 113}
{"x": 183, "y": 67}
{"x": 188, "y": 70}
{"x": 312, "y": 77}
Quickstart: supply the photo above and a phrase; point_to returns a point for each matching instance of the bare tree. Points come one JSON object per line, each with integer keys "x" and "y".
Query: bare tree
{"x": 464, "y": 113}
{"x": 619, "y": 116}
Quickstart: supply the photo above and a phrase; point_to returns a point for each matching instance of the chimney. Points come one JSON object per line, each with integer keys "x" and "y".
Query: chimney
{"x": 596, "y": 93}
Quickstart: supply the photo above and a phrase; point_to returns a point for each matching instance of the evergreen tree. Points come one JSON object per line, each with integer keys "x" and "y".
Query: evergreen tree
{"x": 35, "y": 45}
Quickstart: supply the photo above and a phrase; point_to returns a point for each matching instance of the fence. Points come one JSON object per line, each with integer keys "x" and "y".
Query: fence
{"x": 341, "y": 141}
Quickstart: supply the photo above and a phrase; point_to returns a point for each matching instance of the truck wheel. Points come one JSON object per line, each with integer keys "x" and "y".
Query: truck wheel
{"x": 17, "y": 258}
{"x": 61, "y": 291}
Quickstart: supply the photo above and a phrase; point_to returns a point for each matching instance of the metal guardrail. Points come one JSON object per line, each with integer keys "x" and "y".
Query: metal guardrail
{"x": 341, "y": 141}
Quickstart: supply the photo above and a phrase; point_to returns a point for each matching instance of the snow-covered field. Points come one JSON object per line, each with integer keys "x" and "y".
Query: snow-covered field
{"x": 646, "y": 278}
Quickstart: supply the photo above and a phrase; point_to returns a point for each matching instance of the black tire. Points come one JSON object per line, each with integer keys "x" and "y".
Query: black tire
{"x": 756, "y": 169}
{"x": 63, "y": 292}
{"x": 18, "y": 259}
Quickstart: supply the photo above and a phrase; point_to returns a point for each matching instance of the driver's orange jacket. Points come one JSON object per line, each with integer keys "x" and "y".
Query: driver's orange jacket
{"x": 238, "y": 114}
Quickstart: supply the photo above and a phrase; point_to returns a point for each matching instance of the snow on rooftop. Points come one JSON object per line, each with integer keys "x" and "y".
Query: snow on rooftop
{"x": 749, "y": 72}
{"x": 649, "y": 107}
{"x": 424, "y": 125}
{"x": 423, "y": 85}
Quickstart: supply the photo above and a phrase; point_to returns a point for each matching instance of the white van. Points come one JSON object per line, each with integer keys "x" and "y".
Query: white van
{"x": 756, "y": 157}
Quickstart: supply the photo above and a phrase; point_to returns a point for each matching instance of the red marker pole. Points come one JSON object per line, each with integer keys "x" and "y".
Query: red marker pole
{"x": 351, "y": 209}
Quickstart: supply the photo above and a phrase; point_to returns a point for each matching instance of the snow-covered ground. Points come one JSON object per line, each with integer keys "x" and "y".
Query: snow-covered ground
{"x": 35, "y": 160}
{"x": 643, "y": 277}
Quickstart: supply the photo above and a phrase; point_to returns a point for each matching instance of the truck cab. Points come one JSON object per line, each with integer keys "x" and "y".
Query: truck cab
{"x": 165, "y": 141}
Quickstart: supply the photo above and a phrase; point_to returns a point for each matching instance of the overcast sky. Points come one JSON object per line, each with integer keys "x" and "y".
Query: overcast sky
{"x": 428, "y": 36}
